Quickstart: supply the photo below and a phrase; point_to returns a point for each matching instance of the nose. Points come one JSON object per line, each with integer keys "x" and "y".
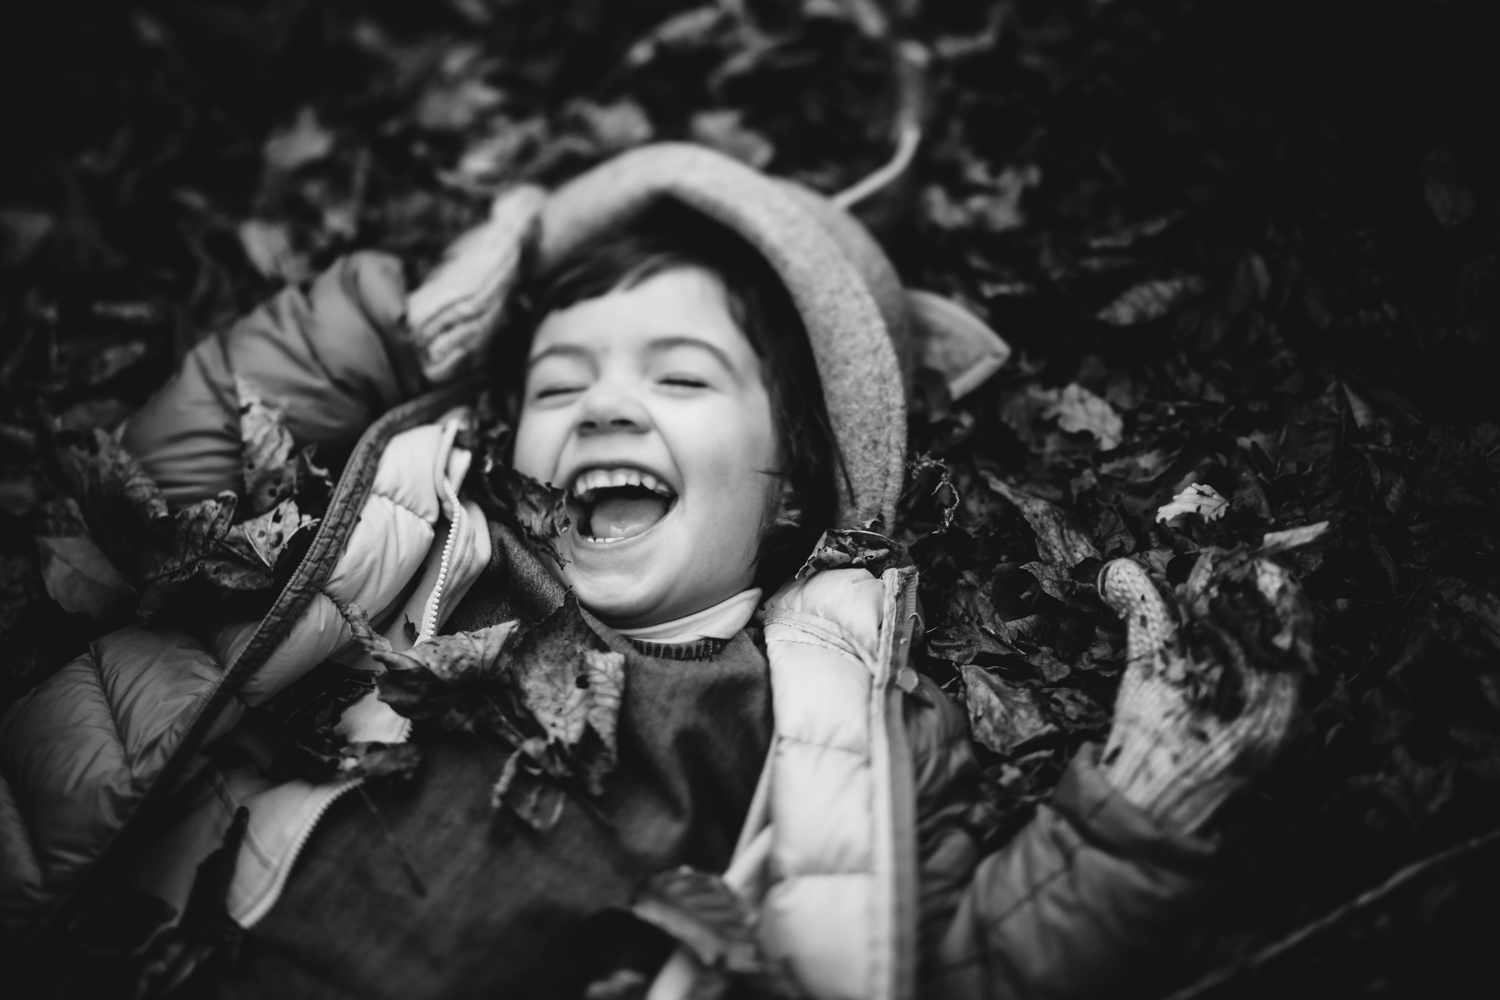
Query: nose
{"x": 610, "y": 409}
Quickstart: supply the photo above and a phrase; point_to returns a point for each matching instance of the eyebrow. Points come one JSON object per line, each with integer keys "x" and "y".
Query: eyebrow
{"x": 572, "y": 350}
{"x": 667, "y": 343}
{"x": 656, "y": 345}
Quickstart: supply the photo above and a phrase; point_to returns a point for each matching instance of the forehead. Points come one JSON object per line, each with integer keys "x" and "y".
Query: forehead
{"x": 680, "y": 302}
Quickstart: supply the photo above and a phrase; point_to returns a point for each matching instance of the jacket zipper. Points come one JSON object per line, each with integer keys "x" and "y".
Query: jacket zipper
{"x": 429, "y": 627}
{"x": 289, "y": 860}
{"x": 434, "y": 603}
{"x": 905, "y": 677}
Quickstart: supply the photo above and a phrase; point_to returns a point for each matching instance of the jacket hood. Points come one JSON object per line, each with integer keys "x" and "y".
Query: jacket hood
{"x": 851, "y": 301}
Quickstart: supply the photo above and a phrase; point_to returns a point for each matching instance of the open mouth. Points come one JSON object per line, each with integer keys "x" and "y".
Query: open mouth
{"x": 611, "y": 505}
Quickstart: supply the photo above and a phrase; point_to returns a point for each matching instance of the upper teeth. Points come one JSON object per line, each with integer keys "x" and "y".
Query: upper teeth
{"x": 598, "y": 479}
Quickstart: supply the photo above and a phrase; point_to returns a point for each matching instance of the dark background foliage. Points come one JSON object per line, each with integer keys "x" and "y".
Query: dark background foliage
{"x": 1246, "y": 244}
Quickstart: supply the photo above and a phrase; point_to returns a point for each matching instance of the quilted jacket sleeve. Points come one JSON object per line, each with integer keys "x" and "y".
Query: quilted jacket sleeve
{"x": 78, "y": 752}
{"x": 330, "y": 355}
{"x": 1090, "y": 899}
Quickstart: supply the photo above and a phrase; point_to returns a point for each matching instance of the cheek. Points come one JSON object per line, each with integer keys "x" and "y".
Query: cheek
{"x": 535, "y": 452}
{"x": 738, "y": 455}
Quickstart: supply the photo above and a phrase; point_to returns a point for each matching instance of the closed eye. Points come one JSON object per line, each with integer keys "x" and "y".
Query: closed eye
{"x": 557, "y": 390}
{"x": 685, "y": 381}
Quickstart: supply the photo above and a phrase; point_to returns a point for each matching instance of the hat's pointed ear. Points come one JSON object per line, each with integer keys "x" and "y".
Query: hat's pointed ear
{"x": 954, "y": 342}
{"x": 452, "y": 318}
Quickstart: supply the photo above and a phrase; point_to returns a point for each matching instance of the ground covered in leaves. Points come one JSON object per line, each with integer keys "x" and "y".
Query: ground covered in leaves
{"x": 1232, "y": 244}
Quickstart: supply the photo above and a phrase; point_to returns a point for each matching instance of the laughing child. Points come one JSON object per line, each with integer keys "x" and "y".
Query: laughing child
{"x": 714, "y": 365}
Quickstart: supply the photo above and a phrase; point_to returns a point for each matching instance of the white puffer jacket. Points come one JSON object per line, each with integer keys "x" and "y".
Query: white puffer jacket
{"x": 413, "y": 555}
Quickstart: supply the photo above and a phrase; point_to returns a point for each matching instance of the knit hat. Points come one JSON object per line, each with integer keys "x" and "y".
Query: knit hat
{"x": 868, "y": 334}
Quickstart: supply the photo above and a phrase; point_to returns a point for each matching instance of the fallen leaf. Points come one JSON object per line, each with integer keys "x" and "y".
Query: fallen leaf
{"x": 527, "y": 790}
{"x": 96, "y": 360}
{"x": 1055, "y": 581}
{"x": 1363, "y": 413}
{"x": 1196, "y": 499}
{"x": 79, "y": 577}
{"x": 614, "y": 127}
{"x": 724, "y": 129}
{"x": 267, "y": 536}
{"x": 469, "y": 658}
{"x": 266, "y": 444}
{"x": 1002, "y": 716}
{"x": 1291, "y": 538}
{"x": 454, "y": 105}
{"x": 18, "y": 493}
{"x": 22, "y": 232}
{"x": 1077, "y": 409}
{"x": 539, "y": 510}
{"x": 997, "y": 210}
{"x": 1448, "y": 194}
{"x": 1477, "y": 602}
{"x": 1058, "y": 540}
{"x": 106, "y": 413}
{"x": 498, "y": 155}
{"x": 1149, "y": 301}
{"x": 378, "y": 760}
{"x": 1127, "y": 236}
{"x": 184, "y": 545}
{"x": 304, "y": 141}
{"x": 621, "y": 984}
{"x": 1141, "y": 467}
{"x": 546, "y": 667}
{"x": 691, "y": 29}
{"x": 605, "y": 673}
{"x": 851, "y": 549}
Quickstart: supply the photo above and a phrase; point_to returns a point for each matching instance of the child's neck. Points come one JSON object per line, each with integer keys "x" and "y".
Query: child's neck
{"x": 720, "y": 621}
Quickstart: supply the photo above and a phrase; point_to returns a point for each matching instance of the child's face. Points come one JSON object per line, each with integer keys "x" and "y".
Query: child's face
{"x": 647, "y": 404}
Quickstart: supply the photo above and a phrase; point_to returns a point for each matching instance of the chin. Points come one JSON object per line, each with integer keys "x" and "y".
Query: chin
{"x": 618, "y": 602}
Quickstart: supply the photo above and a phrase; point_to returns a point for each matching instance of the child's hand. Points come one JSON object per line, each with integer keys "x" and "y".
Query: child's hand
{"x": 1203, "y": 706}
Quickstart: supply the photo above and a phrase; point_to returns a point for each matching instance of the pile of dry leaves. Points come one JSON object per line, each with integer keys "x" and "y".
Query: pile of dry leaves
{"x": 1248, "y": 258}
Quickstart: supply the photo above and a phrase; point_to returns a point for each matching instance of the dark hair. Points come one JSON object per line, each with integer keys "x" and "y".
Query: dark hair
{"x": 668, "y": 235}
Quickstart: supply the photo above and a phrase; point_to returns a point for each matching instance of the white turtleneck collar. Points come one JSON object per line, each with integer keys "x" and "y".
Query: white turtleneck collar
{"x": 721, "y": 621}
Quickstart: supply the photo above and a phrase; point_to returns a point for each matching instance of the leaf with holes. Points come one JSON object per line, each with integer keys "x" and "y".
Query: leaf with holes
{"x": 571, "y": 686}
{"x": 263, "y": 539}
{"x": 270, "y": 469}
{"x": 852, "y": 548}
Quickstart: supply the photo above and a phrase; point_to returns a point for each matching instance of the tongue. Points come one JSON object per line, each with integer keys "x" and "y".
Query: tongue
{"x": 622, "y": 517}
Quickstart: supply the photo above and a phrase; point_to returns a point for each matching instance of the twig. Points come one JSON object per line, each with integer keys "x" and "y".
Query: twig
{"x": 1411, "y": 873}
{"x": 911, "y": 72}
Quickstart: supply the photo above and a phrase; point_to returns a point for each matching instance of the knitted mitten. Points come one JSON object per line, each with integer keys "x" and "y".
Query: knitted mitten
{"x": 1203, "y": 706}
{"x": 453, "y": 315}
